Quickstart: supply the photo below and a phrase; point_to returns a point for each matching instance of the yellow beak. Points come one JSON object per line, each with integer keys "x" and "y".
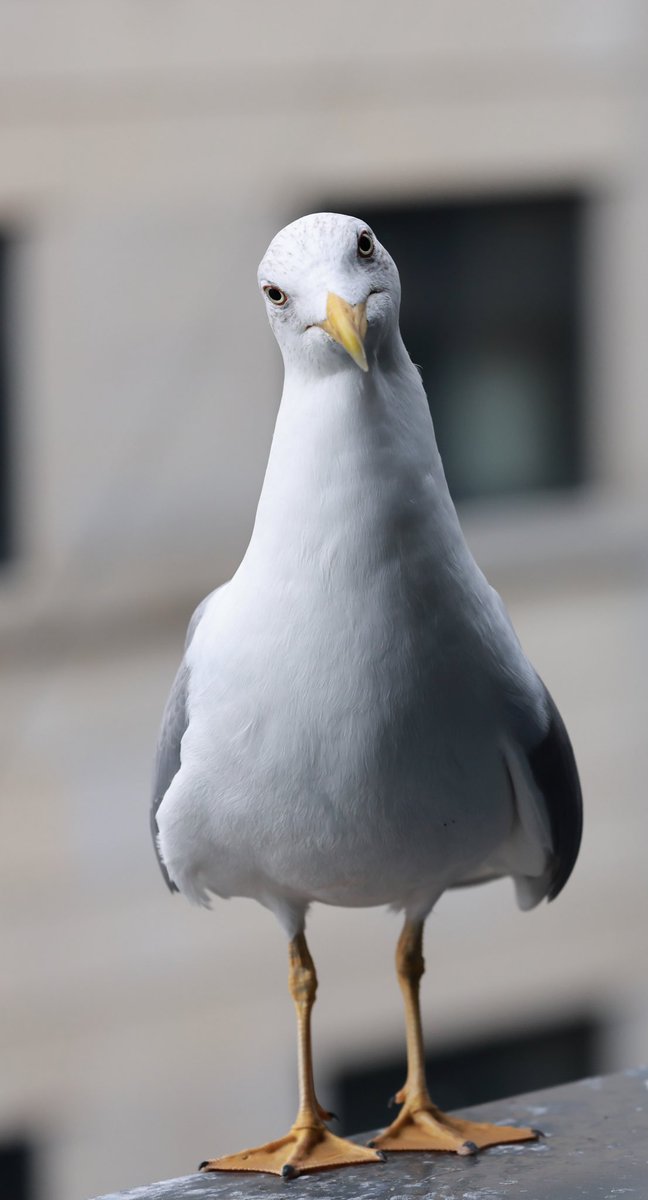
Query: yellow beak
{"x": 347, "y": 324}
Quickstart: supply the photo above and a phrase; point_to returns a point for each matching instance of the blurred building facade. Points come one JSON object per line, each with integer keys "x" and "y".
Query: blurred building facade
{"x": 148, "y": 154}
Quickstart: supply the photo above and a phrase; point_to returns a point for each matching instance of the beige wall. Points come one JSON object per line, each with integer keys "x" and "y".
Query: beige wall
{"x": 147, "y": 155}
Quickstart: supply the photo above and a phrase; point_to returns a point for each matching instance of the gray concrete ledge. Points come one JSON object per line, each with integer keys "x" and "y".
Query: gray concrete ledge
{"x": 595, "y": 1148}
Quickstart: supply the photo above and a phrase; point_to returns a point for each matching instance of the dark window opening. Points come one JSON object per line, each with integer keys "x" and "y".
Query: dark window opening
{"x": 6, "y": 540}
{"x": 16, "y": 1171}
{"x": 491, "y": 313}
{"x": 473, "y": 1073}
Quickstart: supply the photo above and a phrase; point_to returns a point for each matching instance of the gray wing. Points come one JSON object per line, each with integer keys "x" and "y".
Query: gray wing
{"x": 547, "y": 792}
{"x": 542, "y": 772}
{"x": 174, "y": 724}
{"x": 555, "y": 773}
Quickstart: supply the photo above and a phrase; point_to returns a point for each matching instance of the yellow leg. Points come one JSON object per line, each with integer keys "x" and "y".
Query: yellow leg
{"x": 309, "y": 1145}
{"x": 420, "y": 1125}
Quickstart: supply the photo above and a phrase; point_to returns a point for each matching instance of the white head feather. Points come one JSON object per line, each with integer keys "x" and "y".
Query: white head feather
{"x": 313, "y": 257}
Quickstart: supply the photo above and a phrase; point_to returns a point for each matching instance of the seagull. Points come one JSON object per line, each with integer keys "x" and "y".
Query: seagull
{"x": 354, "y": 721}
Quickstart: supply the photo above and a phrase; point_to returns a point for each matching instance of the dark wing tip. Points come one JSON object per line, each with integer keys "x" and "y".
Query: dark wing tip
{"x": 554, "y": 770}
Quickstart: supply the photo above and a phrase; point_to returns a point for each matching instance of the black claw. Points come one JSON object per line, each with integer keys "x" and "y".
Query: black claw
{"x": 392, "y": 1101}
{"x": 333, "y": 1117}
{"x": 202, "y": 1165}
{"x": 381, "y": 1155}
{"x": 538, "y": 1132}
{"x": 468, "y": 1148}
{"x": 288, "y": 1171}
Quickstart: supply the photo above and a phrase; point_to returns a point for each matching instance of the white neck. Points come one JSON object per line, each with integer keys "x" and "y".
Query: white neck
{"x": 353, "y": 463}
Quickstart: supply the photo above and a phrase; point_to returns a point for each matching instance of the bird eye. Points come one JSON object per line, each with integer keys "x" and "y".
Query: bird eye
{"x": 275, "y": 295}
{"x": 366, "y": 244}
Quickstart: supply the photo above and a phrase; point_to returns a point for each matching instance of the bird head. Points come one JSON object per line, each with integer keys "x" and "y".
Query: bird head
{"x": 332, "y": 293}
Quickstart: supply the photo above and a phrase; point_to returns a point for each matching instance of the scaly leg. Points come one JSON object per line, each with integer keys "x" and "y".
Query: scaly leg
{"x": 309, "y": 1145}
{"x": 420, "y": 1125}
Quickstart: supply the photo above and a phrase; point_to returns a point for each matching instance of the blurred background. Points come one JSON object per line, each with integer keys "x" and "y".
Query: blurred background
{"x": 148, "y": 153}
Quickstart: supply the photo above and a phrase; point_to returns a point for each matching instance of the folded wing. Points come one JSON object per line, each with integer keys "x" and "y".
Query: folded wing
{"x": 548, "y": 800}
{"x": 174, "y": 724}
